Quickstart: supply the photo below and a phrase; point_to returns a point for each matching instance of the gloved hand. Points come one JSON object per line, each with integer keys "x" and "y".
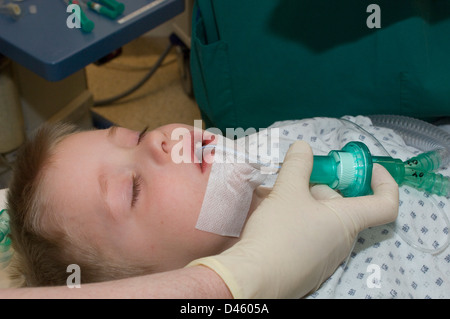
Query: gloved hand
{"x": 299, "y": 234}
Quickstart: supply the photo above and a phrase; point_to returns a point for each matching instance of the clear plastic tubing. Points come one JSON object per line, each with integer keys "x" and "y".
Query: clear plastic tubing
{"x": 426, "y": 137}
{"x": 417, "y": 133}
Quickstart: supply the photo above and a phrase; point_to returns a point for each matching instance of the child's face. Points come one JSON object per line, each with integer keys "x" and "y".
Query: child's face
{"x": 130, "y": 198}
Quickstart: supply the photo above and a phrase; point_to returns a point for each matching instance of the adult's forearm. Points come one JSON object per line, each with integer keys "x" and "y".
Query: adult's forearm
{"x": 192, "y": 282}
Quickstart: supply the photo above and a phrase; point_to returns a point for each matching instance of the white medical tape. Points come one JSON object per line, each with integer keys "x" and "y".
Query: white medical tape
{"x": 229, "y": 192}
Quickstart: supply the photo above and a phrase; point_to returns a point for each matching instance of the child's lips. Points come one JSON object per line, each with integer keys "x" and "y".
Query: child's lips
{"x": 202, "y": 157}
{"x": 207, "y": 154}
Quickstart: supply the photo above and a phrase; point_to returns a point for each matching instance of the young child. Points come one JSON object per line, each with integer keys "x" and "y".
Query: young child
{"x": 111, "y": 201}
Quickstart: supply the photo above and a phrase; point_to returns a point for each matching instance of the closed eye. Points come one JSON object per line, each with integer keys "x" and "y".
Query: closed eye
{"x": 137, "y": 183}
{"x": 137, "y": 180}
{"x": 142, "y": 134}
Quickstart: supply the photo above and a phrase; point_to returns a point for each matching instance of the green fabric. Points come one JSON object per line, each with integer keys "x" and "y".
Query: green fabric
{"x": 254, "y": 62}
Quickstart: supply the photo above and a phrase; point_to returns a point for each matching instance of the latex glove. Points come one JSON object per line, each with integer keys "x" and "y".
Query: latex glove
{"x": 299, "y": 235}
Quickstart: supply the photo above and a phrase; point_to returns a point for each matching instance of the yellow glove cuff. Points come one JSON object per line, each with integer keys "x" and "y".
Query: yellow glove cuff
{"x": 223, "y": 272}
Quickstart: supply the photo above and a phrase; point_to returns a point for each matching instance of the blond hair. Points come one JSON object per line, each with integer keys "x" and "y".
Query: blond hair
{"x": 43, "y": 246}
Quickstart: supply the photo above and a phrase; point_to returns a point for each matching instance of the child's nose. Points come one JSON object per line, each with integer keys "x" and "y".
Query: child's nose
{"x": 156, "y": 145}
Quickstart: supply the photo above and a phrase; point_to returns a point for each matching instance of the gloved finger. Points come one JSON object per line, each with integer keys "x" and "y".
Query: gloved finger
{"x": 322, "y": 192}
{"x": 294, "y": 175}
{"x": 373, "y": 210}
{"x": 384, "y": 188}
{"x": 384, "y": 183}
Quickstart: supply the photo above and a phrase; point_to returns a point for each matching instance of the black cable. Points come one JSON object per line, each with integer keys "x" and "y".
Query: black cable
{"x": 140, "y": 83}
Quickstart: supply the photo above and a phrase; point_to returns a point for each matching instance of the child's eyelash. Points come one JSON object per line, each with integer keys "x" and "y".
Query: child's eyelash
{"x": 142, "y": 134}
{"x": 137, "y": 181}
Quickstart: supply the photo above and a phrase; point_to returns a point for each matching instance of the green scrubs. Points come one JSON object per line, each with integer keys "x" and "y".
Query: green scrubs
{"x": 254, "y": 62}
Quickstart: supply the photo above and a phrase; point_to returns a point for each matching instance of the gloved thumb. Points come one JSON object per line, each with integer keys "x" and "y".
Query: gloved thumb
{"x": 293, "y": 178}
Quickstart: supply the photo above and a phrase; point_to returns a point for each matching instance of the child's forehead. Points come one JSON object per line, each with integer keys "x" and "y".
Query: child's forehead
{"x": 78, "y": 144}
{"x": 74, "y": 162}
